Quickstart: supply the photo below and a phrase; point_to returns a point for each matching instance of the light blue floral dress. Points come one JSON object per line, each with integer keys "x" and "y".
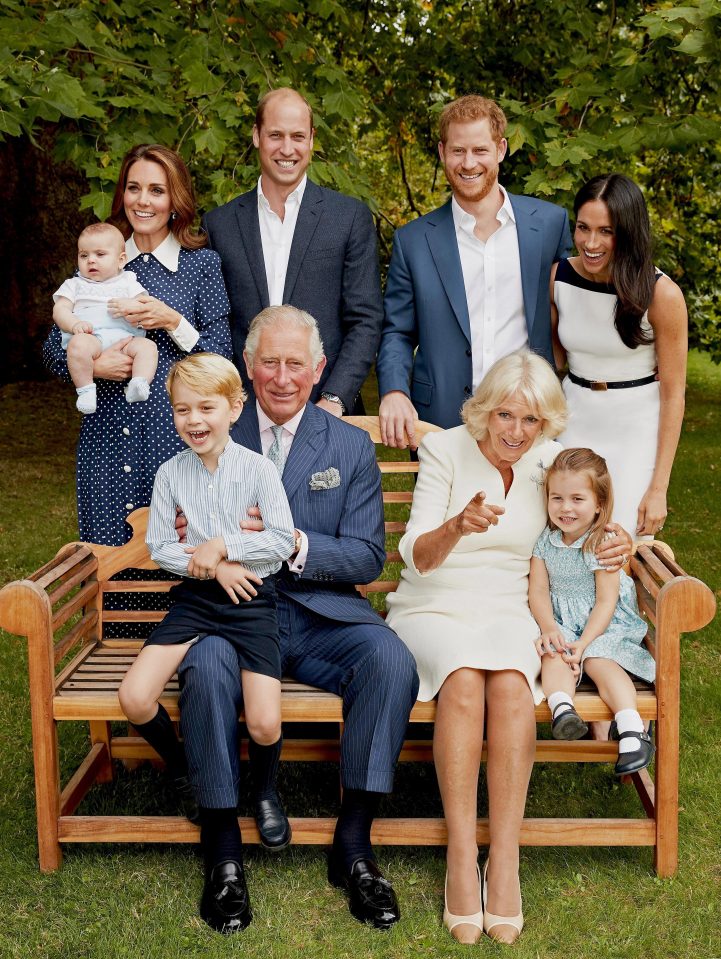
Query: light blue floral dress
{"x": 573, "y": 596}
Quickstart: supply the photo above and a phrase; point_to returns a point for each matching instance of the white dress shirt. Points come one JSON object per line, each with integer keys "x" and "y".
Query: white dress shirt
{"x": 492, "y": 280}
{"x": 276, "y": 237}
{"x": 185, "y": 336}
{"x": 267, "y": 437}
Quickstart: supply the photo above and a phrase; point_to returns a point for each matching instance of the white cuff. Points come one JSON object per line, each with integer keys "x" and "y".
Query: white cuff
{"x": 298, "y": 564}
{"x": 185, "y": 336}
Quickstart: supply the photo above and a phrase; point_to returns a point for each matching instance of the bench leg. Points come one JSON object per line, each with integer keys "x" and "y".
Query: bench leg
{"x": 666, "y": 799}
{"x": 47, "y": 794}
{"x": 100, "y": 733}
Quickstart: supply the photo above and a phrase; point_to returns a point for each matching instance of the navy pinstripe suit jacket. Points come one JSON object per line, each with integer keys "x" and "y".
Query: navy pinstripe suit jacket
{"x": 344, "y": 524}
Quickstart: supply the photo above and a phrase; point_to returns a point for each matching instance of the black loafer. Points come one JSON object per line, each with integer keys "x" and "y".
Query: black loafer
{"x": 186, "y": 797}
{"x": 568, "y": 724}
{"x": 370, "y": 896}
{"x": 273, "y": 825}
{"x": 225, "y": 905}
{"x": 638, "y": 759}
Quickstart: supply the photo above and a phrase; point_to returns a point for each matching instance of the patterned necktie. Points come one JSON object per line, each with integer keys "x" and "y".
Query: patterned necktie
{"x": 276, "y": 453}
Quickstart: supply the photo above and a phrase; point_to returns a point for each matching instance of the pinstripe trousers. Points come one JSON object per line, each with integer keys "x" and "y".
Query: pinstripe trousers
{"x": 365, "y": 663}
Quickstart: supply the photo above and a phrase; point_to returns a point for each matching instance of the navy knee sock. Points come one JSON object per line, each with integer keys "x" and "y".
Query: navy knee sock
{"x": 352, "y": 839}
{"x": 263, "y": 764}
{"x": 220, "y": 838}
{"x": 160, "y": 733}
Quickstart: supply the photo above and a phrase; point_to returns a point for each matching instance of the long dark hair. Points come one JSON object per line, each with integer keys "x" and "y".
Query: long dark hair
{"x": 632, "y": 271}
{"x": 180, "y": 188}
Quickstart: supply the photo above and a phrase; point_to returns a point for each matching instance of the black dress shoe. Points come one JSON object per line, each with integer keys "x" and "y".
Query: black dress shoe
{"x": 370, "y": 896}
{"x": 638, "y": 759}
{"x": 273, "y": 825}
{"x": 225, "y": 905}
{"x": 186, "y": 796}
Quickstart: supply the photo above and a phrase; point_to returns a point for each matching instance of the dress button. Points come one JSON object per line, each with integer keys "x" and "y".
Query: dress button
{"x": 145, "y": 258}
{"x": 128, "y": 505}
{"x": 126, "y": 431}
{"x": 467, "y": 390}
{"x": 127, "y": 468}
{"x": 468, "y": 351}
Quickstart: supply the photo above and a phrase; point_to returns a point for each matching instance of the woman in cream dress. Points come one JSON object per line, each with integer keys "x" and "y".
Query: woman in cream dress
{"x": 462, "y": 609}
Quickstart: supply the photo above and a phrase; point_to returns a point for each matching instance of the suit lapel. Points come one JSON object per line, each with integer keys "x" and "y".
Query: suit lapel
{"x": 307, "y": 444}
{"x": 441, "y": 237}
{"x": 529, "y": 250}
{"x": 246, "y": 213}
{"x": 309, "y": 216}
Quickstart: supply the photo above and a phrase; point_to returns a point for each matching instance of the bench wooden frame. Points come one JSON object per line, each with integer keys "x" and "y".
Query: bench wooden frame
{"x": 74, "y": 672}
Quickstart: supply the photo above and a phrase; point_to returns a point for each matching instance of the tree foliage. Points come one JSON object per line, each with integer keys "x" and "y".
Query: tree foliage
{"x": 588, "y": 86}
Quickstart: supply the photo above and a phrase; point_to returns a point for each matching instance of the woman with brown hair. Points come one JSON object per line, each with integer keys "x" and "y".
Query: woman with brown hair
{"x": 186, "y": 311}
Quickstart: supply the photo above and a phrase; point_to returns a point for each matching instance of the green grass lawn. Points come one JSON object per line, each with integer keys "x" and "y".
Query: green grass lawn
{"x": 141, "y": 901}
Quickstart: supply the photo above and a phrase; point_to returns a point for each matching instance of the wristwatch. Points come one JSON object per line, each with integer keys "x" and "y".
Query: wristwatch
{"x": 334, "y": 398}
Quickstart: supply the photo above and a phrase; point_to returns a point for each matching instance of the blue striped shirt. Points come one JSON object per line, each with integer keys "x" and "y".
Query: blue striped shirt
{"x": 215, "y": 504}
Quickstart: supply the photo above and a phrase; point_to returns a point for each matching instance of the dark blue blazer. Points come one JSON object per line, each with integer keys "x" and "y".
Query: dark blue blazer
{"x": 332, "y": 273}
{"x": 344, "y": 524}
{"x": 426, "y": 309}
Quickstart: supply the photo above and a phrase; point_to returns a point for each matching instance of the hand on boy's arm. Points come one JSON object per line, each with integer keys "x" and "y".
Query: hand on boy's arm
{"x": 205, "y": 558}
{"x": 113, "y": 364}
{"x": 237, "y": 581}
{"x": 615, "y": 551}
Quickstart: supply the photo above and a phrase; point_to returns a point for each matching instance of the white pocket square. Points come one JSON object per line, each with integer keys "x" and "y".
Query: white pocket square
{"x": 326, "y": 479}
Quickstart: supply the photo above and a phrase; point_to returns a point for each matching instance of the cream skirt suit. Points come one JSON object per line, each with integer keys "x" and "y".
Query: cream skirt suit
{"x": 472, "y": 610}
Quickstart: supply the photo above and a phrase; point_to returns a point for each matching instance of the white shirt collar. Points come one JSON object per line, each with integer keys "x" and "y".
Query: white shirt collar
{"x": 466, "y": 221}
{"x": 265, "y": 422}
{"x": 295, "y": 197}
{"x": 556, "y": 539}
{"x": 167, "y": 253}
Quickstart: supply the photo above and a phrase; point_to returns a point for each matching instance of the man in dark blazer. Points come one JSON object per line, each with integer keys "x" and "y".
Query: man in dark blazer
{"x": 468, "y": 283}
{"x": 291, "y": 241}
{"x": 330, "y": 636}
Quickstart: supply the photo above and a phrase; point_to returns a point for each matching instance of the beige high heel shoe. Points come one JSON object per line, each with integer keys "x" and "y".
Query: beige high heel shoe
{"x": 450, "y": 921}
{"x": 490, "y": 921}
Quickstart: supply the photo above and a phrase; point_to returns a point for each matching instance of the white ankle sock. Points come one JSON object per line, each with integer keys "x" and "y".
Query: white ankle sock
{"x": 556, "y": 700}
{"x": 629, "y": 721}
{"x": 87, "y": 401}
{"x": 137, "y": 390}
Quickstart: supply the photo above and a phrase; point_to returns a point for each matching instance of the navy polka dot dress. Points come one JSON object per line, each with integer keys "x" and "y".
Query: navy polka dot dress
{"x": 122, "y": 445}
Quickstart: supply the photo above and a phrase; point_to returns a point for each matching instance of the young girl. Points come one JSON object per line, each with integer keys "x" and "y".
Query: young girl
{"x": 215, "y": 481}
{"x": 584, "y": 612}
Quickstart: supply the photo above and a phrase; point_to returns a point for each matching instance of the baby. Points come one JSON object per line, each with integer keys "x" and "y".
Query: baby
{"x": 81, "y": 312}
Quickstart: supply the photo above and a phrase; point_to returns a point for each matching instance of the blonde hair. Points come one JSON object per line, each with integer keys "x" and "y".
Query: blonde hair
{"x": 593, "y": 466}
{"x": 291, "y": 316}
{"x": 97, "y": 229}
{"x": 469, "y": 108}
{"x": 207, "y": 373}
{"x": 526, "y": 375}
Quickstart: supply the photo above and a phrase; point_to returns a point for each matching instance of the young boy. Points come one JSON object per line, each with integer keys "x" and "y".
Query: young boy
{"x": 81, "y": 312}
{"x": 215, "y": 482}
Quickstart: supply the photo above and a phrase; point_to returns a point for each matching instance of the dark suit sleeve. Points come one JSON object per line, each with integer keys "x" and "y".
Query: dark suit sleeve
{"x": 356, "y": 553}
{"x": 565, "y": 244}
{"x": 400, "y": 329}
{"x": 361, "y": 309}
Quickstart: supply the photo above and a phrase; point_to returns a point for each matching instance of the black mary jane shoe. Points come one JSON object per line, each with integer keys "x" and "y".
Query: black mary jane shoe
{"x": 186, "y": 797}
{"x": 273, "y": 825}
{"x": 370, "y": 896}
{"x": 225, "y": 904}
{"x": 568, "y": 724}
{"x": 638, "y": 759}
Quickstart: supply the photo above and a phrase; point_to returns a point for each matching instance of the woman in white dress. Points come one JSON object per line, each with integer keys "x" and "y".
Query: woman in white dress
{"x": 622, "y": 326}
{"x": 462, "y": 609}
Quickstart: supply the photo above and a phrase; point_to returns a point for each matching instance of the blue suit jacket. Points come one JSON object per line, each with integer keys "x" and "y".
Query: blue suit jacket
{"x": 332, "y": 273}
{"x": 426, "y": 309}
{"x": 344, "y": 525}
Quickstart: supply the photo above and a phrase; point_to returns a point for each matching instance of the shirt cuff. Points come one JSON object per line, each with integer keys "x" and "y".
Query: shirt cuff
{"x": 298, "y": 564}
{"x": 185, "y": 336}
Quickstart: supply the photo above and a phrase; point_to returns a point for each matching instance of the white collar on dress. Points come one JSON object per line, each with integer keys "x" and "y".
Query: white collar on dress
{"x": 556, "y": 539}
{"x": 167, "y": 253}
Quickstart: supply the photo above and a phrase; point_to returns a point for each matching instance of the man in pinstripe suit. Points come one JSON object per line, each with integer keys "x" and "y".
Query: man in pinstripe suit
{"x": 330, "y": 636}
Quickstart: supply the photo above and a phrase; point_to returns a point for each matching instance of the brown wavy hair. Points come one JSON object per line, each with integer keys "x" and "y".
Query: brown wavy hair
{"x": 180, "y": 187}
{"x": 584, "y": 460}
{"x": 469, "y": 108}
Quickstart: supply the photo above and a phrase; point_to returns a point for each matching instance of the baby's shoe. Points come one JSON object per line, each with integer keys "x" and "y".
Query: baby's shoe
{"x": 87, "y": 401}
{"x": 137, "y": 390}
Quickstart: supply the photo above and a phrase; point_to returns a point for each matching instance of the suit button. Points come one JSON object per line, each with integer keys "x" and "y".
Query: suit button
{"x": 467, "y": 390}
{"x": 468, "y": 351}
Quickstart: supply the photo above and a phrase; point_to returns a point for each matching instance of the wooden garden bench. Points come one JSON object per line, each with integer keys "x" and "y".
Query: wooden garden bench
{"x": 77, "y": 657}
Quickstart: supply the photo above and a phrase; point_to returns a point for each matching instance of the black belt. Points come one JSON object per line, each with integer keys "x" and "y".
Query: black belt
{"x": 600, "y": 385}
